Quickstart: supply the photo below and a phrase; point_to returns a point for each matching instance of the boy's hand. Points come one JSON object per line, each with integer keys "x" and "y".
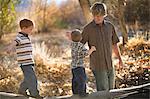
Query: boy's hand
{"x": 5, "y": 50}
{"x": 93, "y": 48}
{"x": 10, "y": 48}
{"x": 68, "y": 35}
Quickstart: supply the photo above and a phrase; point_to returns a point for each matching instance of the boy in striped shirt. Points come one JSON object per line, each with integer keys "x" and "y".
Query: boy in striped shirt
{"x": 25, "y": 59}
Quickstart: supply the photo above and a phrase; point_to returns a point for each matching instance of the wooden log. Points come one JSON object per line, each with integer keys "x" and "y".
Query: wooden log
{"x": 4, "y": 95}
{"x": 115, "y": 93}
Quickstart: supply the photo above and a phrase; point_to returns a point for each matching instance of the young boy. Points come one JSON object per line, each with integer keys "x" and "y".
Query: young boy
{"x": 25, "y": 59}
{"x": 78, "y": 52}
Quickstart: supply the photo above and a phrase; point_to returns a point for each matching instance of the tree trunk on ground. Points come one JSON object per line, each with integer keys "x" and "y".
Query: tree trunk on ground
{"x": 85, "y": 5}
{"x": 140, "y": 91}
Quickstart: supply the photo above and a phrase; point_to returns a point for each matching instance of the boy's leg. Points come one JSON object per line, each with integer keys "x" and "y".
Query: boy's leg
{"x": 81, "y": 78}
{"x": 23, "y": 88}
{"x": 30, "y": 80}
{"x": 23, "y": 85}
{"x": 74, "y": 83}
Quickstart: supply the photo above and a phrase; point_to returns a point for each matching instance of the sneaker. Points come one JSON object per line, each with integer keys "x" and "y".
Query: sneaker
{"x": 23, "y": 93}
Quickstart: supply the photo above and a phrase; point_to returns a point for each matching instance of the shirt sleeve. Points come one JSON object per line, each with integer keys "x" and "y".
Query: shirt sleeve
{"x": 115, "y": 38}
{"x": 84, "y": 36}
{"x": 84, "y": 52}
{"x": 18, "y": 40}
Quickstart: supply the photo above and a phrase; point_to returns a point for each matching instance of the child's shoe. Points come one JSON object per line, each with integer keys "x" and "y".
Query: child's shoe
{"x": 83, "y": 94}
{"x": 23, "y": 93}
{"x": 38, "y": 97}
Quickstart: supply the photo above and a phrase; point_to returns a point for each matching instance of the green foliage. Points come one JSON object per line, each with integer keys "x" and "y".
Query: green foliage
{"x": 7, "y": 16}
{"x": 60, "y": 23}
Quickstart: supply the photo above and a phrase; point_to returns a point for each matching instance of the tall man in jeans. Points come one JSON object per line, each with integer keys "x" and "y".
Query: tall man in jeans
{"x": 101, "y": 34}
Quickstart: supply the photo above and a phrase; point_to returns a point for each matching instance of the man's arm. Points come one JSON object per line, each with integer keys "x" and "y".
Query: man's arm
{"x": 117, "y": 53}
{"x": 85, "y": 37}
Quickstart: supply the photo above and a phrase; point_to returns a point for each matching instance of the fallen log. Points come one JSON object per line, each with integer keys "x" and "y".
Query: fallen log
{"x": 122, "y": 93}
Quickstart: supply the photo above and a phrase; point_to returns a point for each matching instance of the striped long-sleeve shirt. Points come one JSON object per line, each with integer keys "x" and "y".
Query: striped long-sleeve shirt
{"x": 24, "y": 50}
{"x": 78, "y": 52}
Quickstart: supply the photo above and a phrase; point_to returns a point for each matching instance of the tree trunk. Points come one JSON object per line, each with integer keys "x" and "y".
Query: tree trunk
{"x": 122, "y": 22}
{"x": 123, "y": 30}
{"x": 44, "y": 16}
{"x": 85, "y": 5}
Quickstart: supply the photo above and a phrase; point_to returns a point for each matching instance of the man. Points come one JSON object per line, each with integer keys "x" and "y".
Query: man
{"x": 101, "y": 34}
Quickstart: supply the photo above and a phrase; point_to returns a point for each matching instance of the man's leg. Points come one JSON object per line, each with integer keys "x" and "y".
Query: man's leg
{"x": 111, "y": 78}
{"x": 101, "y": 78}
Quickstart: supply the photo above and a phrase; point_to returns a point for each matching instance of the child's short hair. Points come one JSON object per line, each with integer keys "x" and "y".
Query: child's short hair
{"x": 99, "y": 9}
{"x": 76, "y": 35}
{"x": 25, "y": 23}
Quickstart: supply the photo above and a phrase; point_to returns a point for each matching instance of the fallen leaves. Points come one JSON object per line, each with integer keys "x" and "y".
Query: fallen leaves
{"x": 137, "y": 64}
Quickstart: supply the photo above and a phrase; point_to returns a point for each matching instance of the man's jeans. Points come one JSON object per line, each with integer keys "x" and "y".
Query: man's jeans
{"x": 29, "y": 82}
{"x": 79, "y": 81}
{"x": 105, "y": 80}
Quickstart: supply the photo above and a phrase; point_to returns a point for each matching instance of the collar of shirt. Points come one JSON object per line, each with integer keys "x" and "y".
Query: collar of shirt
{"x": 25, "y": 34}
{"x": 77, "y": 45}
{"x": 104, "y": 22}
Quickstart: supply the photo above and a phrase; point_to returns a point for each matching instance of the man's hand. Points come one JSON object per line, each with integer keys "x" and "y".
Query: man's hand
{"x": 117, "y": 53}
{"x": 120, "y": 64}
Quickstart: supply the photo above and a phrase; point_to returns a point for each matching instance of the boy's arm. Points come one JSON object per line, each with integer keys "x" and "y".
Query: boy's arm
{"x": 88, "y": 52}
{"x": 91, "y": 50}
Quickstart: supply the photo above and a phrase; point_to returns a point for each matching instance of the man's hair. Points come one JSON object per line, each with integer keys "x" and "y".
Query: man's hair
{"x": 76, "y": 35}
{"x": 99, "y": 9}
{"x": 25, "y": 23}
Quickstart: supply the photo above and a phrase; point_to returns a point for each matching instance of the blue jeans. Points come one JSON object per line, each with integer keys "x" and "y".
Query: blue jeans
{"x": 105, "y": 79}
{"x": 30, "y": 81}
{"x": 79, "y": 80}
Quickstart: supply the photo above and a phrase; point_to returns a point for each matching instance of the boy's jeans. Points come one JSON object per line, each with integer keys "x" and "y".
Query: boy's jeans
{"x": 105, "y": 79}
{"x": 79, "y": 80}
{"x": 30, "y": 81}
